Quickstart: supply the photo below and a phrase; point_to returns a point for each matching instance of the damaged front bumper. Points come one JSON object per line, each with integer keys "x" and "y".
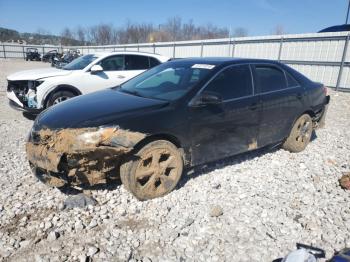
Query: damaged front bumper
{"x": 18, "y": 107}
{"x": 79, "y": 156}
{"x": 22, "y": 95}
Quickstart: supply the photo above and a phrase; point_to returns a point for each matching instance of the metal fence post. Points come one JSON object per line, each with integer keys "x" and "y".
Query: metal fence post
{"x": 233, "y": 48}
{"x": 43, "y": 51}
{"x": 3, "y": 48}
{"x": 342, "y": 61}
{"x": 280, "y": 49}
{"x": 202, "y": 49}
{"x": 154, "y": 48}
{"x": 229, "y": 46}
{"x": 24, "y": 56}
{"x": 174, "y": 50}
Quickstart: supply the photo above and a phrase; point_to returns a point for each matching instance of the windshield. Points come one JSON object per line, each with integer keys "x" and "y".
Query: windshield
{"x": 168, "y": 81}
{"x": 80, "y": 63}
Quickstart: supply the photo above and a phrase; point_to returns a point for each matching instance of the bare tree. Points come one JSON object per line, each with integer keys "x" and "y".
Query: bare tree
{"x": 92, "y": 35}
{"x": 174, "y": 27}
{"x": 80, "y": 34}
{"x": 173, "y": 30}
{"x": 240, "y": 32}
{"x": 211, "y": 31}
{"x": 66, "y": 36}
{"x": 42, "y": 31}
{"x": 105, "y": 34}
{"x": 159, "y": 36}
{"x": 278, "y": 30}
{"x": 190, "y": 31}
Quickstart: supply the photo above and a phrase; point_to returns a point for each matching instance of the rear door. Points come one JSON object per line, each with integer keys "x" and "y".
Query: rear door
{"x": 282, "y": 100}
{"x": 230, "y": 127}
{"x": 135, "y": 65}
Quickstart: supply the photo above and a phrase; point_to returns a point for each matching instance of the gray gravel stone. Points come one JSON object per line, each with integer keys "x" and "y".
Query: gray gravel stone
{"x": 216, "y": 211}
{"x": 53, "y": 235}
{"x": 79, "y": 201}
{"x": 92, "y": 250}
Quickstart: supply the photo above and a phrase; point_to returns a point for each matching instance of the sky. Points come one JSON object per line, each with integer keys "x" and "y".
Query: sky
{"x": 259, "y": 17}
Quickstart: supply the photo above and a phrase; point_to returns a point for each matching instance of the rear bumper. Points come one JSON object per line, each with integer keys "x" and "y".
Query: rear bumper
{"x": 322, "y": 121}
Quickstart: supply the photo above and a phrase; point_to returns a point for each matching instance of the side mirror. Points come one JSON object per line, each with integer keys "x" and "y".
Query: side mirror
{"x": 96, "y": 69}
{"x": 207, "y": 98}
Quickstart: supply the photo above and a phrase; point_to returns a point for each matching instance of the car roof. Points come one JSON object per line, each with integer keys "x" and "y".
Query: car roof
{"x": 336, "y": 28}
{"x": 105, "y": 54}
{"x": 223, "y": 60}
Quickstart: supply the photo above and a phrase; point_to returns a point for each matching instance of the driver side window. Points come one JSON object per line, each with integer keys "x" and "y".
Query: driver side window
{"x": 113, "y": 63}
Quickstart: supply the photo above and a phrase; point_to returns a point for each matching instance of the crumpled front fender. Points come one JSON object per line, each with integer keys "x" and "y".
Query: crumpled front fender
{"x": 85, "y": 155}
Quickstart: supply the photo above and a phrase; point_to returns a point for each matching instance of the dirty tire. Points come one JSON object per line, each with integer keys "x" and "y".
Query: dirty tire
{"x": 153, "y": 171}
{"x": 300, "y": 134}
{"x": 59, "y": 97}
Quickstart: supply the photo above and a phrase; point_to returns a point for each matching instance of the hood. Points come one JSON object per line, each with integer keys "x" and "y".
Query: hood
{"x": 37, "y": 74}
{"x": 95, "y": 109}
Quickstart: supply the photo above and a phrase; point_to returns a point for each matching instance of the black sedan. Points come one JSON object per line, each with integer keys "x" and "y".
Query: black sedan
{"x": 182, "y": 113}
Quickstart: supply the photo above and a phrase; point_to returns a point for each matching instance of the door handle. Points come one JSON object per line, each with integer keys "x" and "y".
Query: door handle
{"x": 299, "y": 96}
{"x": 120, "y": 76}
{"x": 253, "y": 106}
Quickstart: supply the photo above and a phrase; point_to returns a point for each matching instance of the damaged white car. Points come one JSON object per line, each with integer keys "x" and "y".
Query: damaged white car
{"x": 34, "y": 90}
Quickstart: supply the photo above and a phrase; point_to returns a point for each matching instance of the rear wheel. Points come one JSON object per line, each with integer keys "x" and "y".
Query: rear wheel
{"x": 59, "y": 97}
{"x": 300, "y": 135}
{"x": 154, "y": 171}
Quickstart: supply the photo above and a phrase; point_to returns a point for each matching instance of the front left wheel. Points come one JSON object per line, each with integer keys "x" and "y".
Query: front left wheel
{"x": 59, "y": 97}
{"x": 153, "y": 171}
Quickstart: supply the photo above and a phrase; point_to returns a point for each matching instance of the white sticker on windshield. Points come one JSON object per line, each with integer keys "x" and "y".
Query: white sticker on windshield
{"x": 203, "y": 66}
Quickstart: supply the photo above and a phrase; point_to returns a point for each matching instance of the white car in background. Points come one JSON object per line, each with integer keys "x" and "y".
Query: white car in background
{"x": 34, "y": 90}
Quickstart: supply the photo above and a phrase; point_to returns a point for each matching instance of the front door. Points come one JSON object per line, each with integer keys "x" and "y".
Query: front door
{"x": 228, "y": 127}
{"x": 112, "y": 75}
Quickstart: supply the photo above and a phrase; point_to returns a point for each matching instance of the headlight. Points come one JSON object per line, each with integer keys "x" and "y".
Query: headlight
{"x": 94, "y": 138}
{"x": 34, "y": 84}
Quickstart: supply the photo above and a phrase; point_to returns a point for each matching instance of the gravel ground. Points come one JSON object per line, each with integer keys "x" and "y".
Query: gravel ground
{"x": 254, "y": 207}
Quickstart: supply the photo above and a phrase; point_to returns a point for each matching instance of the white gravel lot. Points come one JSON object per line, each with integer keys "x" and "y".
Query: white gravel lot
{"x": 269, "y": 200}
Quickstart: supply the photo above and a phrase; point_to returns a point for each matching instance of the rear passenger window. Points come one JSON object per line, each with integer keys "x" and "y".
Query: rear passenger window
{"x": 233, "y": 82}
{"x": 136, "y": 62}
{"x": 270, "y": 78}
{"x": 153, "y": 62}
{"x": 291, "y": 80}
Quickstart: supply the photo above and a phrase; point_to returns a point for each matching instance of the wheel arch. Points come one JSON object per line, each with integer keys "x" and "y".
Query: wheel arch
{"x": 62, "y": 87}
{"x": 168, "y": 137}
{"x": 309, "y": 112}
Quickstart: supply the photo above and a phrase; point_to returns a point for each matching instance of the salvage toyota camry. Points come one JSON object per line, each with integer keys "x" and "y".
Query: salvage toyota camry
{"x": 182, "y": 113}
